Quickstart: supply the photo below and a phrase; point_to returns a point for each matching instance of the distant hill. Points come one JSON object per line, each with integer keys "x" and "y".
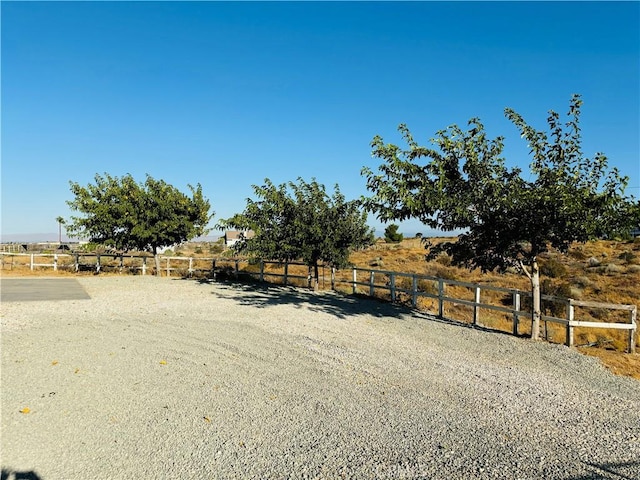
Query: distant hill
{"x": 33, "y": 237}
{"x": 53, "y": 237}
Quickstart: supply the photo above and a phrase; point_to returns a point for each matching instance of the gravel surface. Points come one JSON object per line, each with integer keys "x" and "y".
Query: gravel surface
{"x": 165, "y": 378}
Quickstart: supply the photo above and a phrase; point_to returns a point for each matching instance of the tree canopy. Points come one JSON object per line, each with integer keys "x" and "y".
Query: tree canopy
{"x": 127, "y": 215}
{"x": 300, "y": 221}
{"x": 391, "y": 234}
{"x": 508, "y": 219}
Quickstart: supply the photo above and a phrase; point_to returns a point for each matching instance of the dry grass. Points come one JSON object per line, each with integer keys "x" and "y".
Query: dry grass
{"x": 602, "y": 271}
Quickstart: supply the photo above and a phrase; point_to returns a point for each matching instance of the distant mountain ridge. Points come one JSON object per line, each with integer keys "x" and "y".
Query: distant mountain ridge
{"x": 53, "y": 237}
{"x": 33, "y": 237}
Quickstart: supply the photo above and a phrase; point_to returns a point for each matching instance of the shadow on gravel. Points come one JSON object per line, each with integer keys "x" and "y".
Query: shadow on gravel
{"x": 15, "y": 475}
{"x": 617, "y": 471}
{"x": 341, "y": 306}
{"x": 264, "y": 295}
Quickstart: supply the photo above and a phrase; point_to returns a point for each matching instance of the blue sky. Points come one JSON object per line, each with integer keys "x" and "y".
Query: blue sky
{"x": 227, "y": 94}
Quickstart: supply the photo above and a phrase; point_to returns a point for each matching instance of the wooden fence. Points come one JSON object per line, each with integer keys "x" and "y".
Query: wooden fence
{"x": 77, "y": 261}
{"x": 388, "y": 281}
{"x": 144, "y": 264}
{"x": 393, "y": 285}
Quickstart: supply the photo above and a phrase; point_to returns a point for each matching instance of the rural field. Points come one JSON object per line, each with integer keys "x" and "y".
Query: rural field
{"x": 189, "y": 378}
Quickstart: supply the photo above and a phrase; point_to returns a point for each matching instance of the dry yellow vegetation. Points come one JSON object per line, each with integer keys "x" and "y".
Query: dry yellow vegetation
{"x": 600, "y": 271}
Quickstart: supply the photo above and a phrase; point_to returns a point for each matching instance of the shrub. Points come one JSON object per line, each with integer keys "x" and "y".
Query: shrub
{"x": 427, "y": 286}
{"x": 376, "y": 262}
{"x": 582, "y": 281}
{"x": 600, "y": 313}
{"x": 627, "y": 257}
{"x": 403, "y": 283}
{"x": 576, "y": 293}
{"x": 553, "y": 268}
{"x": 562, "y": 290}
{"x": 613, "y": 269}
{"x": 445, "y": 272}
{"x": 444, "y": 259}
{"x": 216, "y": 247}
{"x": 593, "y": 262}
{"x": 633, "y": 269}
{"x": 577, "y": 254}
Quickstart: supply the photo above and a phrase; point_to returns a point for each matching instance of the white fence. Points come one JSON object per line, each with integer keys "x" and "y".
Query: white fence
{"x": 75, "y": 261}
{"x": 388, "y": 281}
{"x": 395, "y": 283}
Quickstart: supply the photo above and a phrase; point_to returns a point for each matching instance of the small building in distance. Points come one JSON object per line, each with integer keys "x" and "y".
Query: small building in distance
{"x": 231, "y": 237}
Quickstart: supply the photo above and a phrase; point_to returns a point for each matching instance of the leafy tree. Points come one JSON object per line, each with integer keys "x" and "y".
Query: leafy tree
{"x": 300, "y": 221}
{"x": 391, "y": 234}
{"x": 127, "y": 215}
{"x": 508, "y": 219}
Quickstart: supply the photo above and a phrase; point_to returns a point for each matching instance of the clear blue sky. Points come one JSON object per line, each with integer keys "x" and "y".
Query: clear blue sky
{"x": 226, "y": 94}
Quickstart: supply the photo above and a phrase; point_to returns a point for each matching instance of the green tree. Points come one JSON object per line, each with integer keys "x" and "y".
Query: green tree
{"x": 507, "y": 219}
{"x": 300, "y": 221}
{"x": 391, "y": 234}
{"x": 128, "y": 215}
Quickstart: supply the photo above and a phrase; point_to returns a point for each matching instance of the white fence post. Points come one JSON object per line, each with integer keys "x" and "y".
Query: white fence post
{"x": 55, "y": 262}
{"x": 371, "y": 282}
{"x": 31, "y": 265}
{"x": 98, "y": 263}
{"x": 355, "y": 279}
{"x": 168, "y": 269}
{"x": 633, "y": 331}
{"x": 516, "y": 311}
{"x": 190, "y": 266}
{"x": 333, "y": 278}
{"x": 144, "y": 265}
{"x": 476, "y": 306}
{"x": 570, "y": 314}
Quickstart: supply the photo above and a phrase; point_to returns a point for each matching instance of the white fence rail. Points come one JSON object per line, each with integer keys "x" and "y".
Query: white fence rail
{"x": 374, "y": 280}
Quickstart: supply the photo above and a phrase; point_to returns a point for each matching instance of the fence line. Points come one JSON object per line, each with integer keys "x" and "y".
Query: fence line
{"x": 216, "y": 266}
{"x": 213, "y": 265}
{"x": 515, "y": 310}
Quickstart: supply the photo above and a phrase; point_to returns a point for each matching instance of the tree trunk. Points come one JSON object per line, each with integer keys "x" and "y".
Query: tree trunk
{"x": 535, "y": 295}
{"x": 156, "y": 259}
{"x": 316, "y": 277}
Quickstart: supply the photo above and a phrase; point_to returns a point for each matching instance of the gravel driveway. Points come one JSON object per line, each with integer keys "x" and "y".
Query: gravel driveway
{"x": 165, "y": 379}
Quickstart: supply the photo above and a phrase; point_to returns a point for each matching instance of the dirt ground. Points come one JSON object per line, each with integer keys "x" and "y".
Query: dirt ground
{"x": 624, "y": 364}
